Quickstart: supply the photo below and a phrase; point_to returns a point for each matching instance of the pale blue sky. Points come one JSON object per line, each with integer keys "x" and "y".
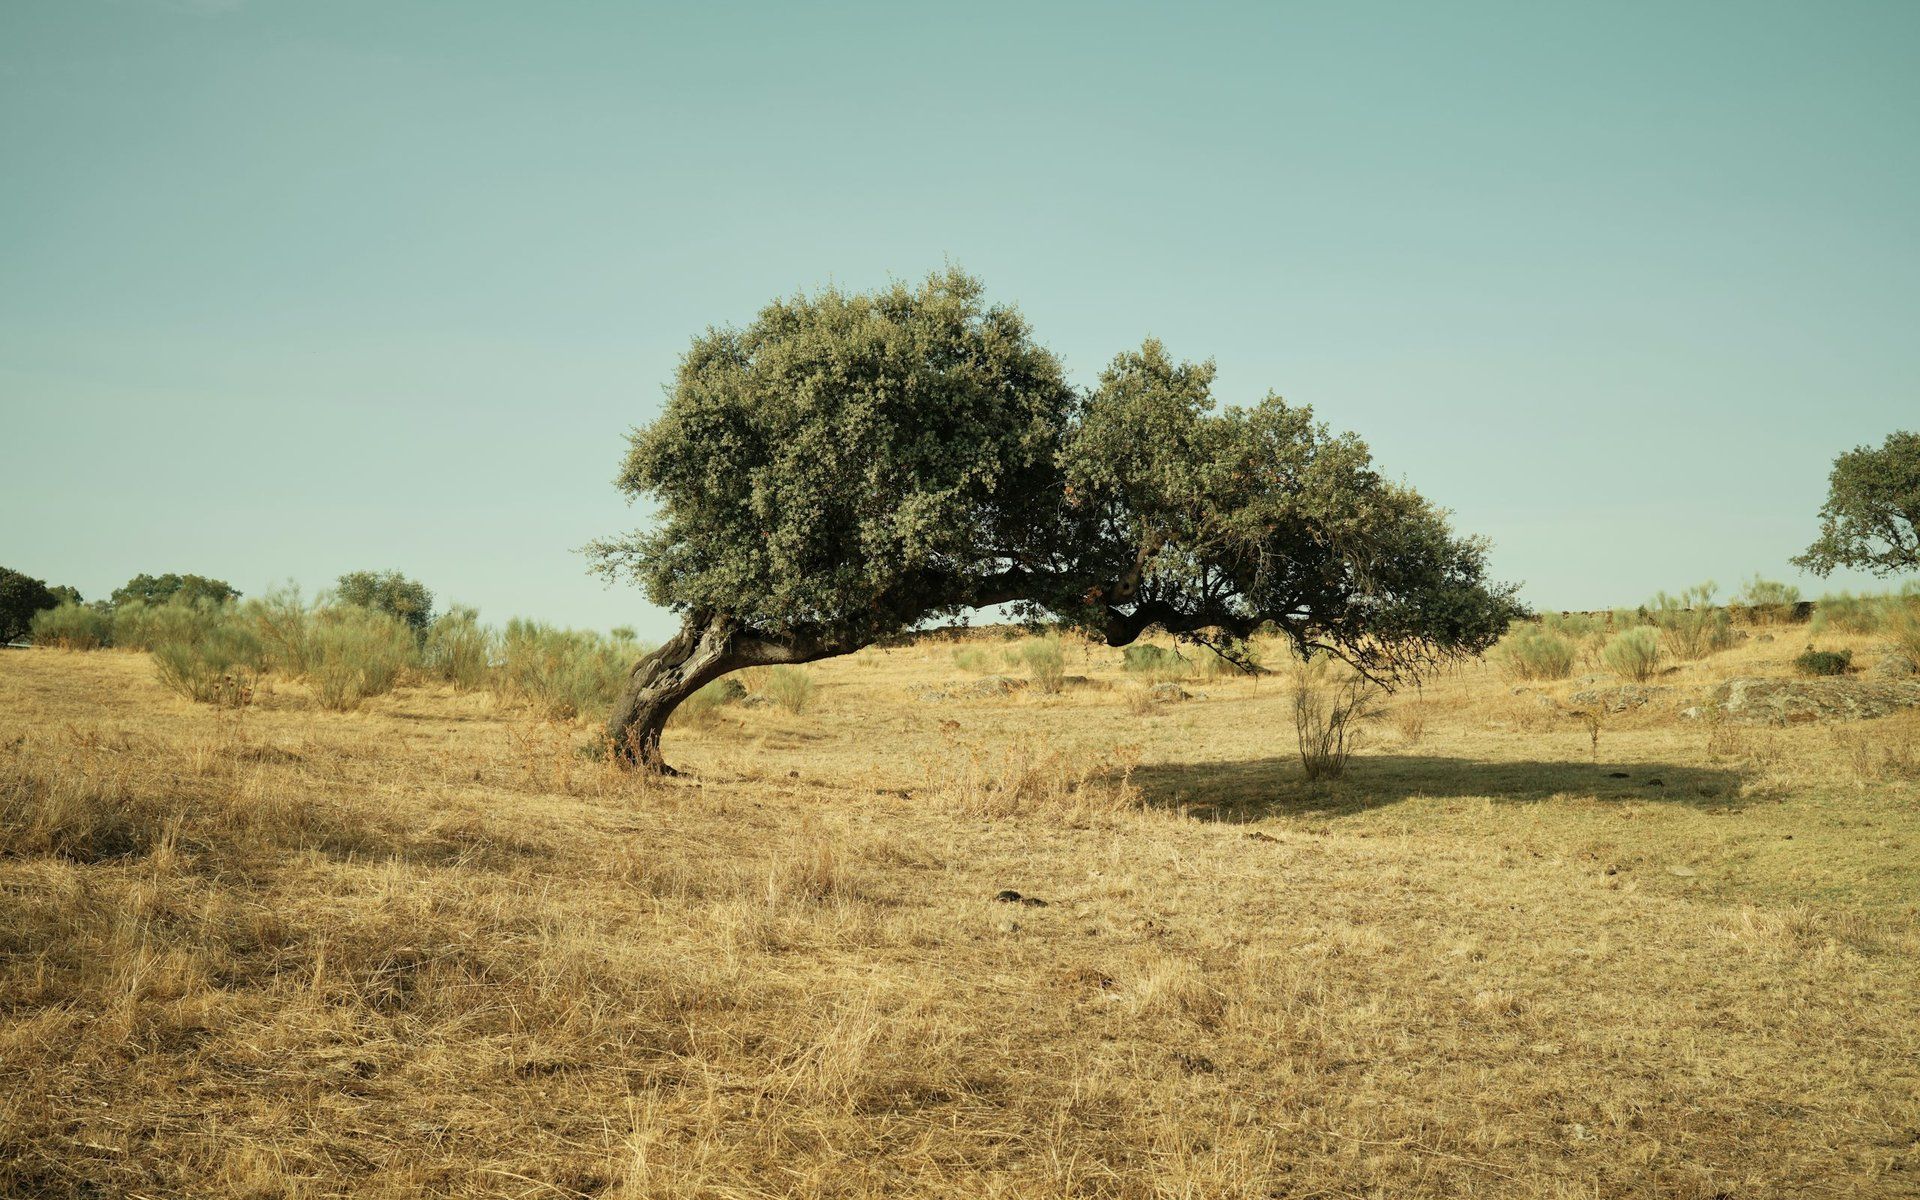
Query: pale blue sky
{"x": 292, "y": 289}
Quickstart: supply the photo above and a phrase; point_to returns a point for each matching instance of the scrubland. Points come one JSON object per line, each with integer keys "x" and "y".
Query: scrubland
{"x": 433, "y": 947}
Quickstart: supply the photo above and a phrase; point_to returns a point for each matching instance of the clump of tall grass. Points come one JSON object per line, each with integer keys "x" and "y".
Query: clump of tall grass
{"x": 457, "y": 649}
{"x": 560, "y": 673}
{"x": 1844, "y": 612}
{"x": 206, "y": 653}
{"x": 1902, "y": 627}
{"x": 1532, "y": 652}
{"x": 1633, "y": 653}
{"x": 1328, "y": 706}
{"x": 356, "y": 653}
{"x": 791, "y": 688}
{"x": 975, "y": 659}
{"x": 1690, "y": 626}
{"x": 283, "y": 623}
{"x": 72, "y": 627}
{"x": 1767, "y": 601}
{"x": 1046, "y": 663}
{"x": 702, "y": 709}
{"x": 1157, "y": 664}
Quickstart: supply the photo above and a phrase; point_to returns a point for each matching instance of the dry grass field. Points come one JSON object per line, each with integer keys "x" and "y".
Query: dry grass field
{"x": 433, "y": 949}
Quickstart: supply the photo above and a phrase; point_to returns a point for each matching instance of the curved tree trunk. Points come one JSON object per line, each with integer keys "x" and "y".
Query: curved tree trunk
{"x": 708, "y": 646}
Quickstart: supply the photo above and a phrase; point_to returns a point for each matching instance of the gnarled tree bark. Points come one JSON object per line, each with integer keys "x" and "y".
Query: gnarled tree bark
{"x": 708, "y": 646}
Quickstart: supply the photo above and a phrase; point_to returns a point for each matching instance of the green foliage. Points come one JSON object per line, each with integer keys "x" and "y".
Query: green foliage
{"x": 1158, "y": 664}
{"x": 141, "y": 626}
{"x": 1574, "y": 627}
{"x": 1823, "y": 662}
{"x": 204, "y": 652}
{"x": 848, "y": 463}
{"x": 1531, "y": 652}
{"x": 356, "y": 653}
{"x": 1873, "y": 504}
{"x": 458, "y": 649}
{"x": 72, "y": 627}
{"x": 791, "y": 688}
{"x": 1690, "y": 626}
{"x": 1633, "y": 653}
{"x": 21, "y": 596}
{"x": 390, "y": 592}
{"x": 283, "y": 625}
{"x": 973, "y": 658}
{"x": 1844, "y": 612}
{"x": 1768, "y": 601}
{"x": 560, "y": 673}
{"x": 171, "y": 588}
{"x": 1045, "y": 663}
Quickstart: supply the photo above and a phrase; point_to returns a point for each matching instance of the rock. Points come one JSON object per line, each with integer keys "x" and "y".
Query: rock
{"x": 979, "y": 689}
{"x": 1009, "y": 925}
{"x": 1694, "y": 713}
{"x": 1807, "y": 701}
{"x": 1009, "y": 896}
{"x": 1168, "y": 693}
{"x": 1682, "y": 872}
{"x": 1894, "y": 665}
{"x": 1624, "y": 698}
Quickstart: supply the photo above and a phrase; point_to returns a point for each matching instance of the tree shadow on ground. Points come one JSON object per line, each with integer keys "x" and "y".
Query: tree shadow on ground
{"x": 1251, "y": 790}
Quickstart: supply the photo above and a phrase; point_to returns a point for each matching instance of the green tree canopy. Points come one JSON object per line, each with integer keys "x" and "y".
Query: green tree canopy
{"x": 1871, "y": 520}
{"x": 849, "y": 466}
{"x": 21, "y": 596}
{"x": 162, "y": 589}
{"x": 389, "y": 592}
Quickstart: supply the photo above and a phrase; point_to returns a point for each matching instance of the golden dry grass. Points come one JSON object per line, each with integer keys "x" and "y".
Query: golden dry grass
{"x": 430, "y": 949}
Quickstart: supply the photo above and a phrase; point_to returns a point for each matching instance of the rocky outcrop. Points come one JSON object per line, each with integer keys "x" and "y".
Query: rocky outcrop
{"x": 1624, "y": 698}
{"x": 1806, "y": 701}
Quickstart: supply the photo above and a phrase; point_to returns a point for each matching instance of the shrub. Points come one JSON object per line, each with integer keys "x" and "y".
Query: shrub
{"x": 1046, "y": 663}
{"x": 1689, "y": 624}
{"x": 1844, "y": 612}
{"x": 1327, "y": 709}
{"x": 1157, "y": 663}
{"x": 1230, "y": 659}
{"x": 206, "y": 654}
{"x": 561, "y": 673}
{"x": 357, "y": 653}
{"x": 1767, "y": 601}
{"x": 138, "y": 625}
{"x": 1633, "y": 653}
{"x": 283, "y": 624}
{"x": 1902, "y": 627}
{"x": 790, "y": 688}
{"x": 457, "y": 649}
{"x": 21, "y": 596}
{"x": 973, "y": 658}
{"x": 390, "y": 592}
{"x": 72, "y": 627}
{"x": 173, "y": 589}
{"x": 1823, "y": 662}
{"x": 1531, "y": 652}
{"x": 702, "y": 709}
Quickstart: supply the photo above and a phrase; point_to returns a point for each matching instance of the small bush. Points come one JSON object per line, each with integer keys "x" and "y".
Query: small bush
{"x": 1824, "y": 662}
{"x": 1633, "y": 653}
{"x": 212, "y": 659}
{"x": 973, "y": 658}
{"x": 138, "y": 625}
{"x": 72, "y": 627}
{"x": 283, "y": 624}
{"x": 791, "y": 688}
{"x": 1157, "y": 663}
{"x": 390, "y": 592}
{"x": 457, "y": 649}
{"x": 1046, "y": 663}
{"x": 1768, "y": 601}
{"x": 1690, "y": 626}
{"x": 561, "y": 673}
{"x": 1530, "y": 652}
{"x": 1231, "y": 659}
{"x": 357, "y": 653}
{"x": 702, "y": 709}
{"x": 1902, "y": 627}
{"x": 1844, "y": 612}
{"x": 1328, "y": 706}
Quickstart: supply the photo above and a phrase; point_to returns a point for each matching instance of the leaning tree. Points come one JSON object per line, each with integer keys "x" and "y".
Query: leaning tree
{"x": 850, "y": 466}
{"x": 1871, "y": 520}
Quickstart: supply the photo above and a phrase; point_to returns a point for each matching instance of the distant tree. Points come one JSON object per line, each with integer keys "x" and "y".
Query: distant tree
{"x": 21, "y": 596}
{"x": 389, "y": 592}
{"x": 1871, "y": 520}
{"x": 850, "y": 466}
{"x": 161, "y": 589}
{"x": 67, "y": 595}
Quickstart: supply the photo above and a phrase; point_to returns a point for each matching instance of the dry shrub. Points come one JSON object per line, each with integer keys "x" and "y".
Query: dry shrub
{"x": 1046, "y": 663}
{"x": 791, "y": 688}
{"x": 809, "y": 869}
{"x": 1530, "y": 652}
{"x": 72, "y": 627}
{"x": 1328, "y": 706}
{"x": 1409, "y": 720}
{"x": 1633, "y": 653}
{"x": 1001, "y": 779}
{"x": 357, "y": 653}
